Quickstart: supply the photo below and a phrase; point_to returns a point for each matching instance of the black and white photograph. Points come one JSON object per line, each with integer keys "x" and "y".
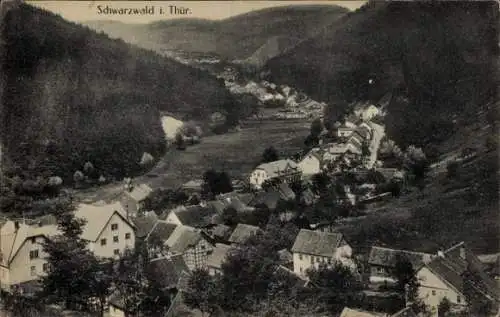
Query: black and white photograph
{"x": 249, "y": 158}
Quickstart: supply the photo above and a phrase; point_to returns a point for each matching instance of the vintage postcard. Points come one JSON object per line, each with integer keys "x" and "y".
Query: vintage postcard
{"x": 249, "y": 158}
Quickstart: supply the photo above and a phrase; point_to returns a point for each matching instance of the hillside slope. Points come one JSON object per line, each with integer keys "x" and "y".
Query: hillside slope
{"x": 233, "y": 38}
{"x": 440, "y": 55}
{"x": 72, "y": 95}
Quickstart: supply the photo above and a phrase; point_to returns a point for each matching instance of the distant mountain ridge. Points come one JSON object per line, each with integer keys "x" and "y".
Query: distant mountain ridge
{"x": 233, "y": 38}
{"x": 71, "y": 95}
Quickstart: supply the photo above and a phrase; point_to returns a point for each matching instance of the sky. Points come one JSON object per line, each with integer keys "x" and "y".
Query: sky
{"x": 79, "y": 11}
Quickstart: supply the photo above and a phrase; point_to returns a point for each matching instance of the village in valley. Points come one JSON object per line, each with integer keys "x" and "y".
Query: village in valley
{"x": 213, "y": 230}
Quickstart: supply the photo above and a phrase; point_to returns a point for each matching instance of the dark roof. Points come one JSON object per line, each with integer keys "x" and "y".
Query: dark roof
{"x": 387, "y": 257}
{"x": 182, "y": 239}
{"x": 458, "y": 266}
{"x": 144, "y": 225}
{"x": 221, "y": 232}
{"x": 270, "y": 199}
{"x": 443, "y": 268}
{"x": 168, "y": 271}
{"x": 217, "y": 205}
{"x": 317, "y": 243}
{"x": 286, "y": 193}
{"x": 242, "y": 232}
{"x": 405, "y": 312}
{"x": 161, "y": 231}
{"x": 196, "y": 216}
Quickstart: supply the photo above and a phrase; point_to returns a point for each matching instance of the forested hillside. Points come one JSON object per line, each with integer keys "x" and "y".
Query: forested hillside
{"x": 71, "y": 95}
{"x": 440, "y": 57}
{"x": 233, "y": 38}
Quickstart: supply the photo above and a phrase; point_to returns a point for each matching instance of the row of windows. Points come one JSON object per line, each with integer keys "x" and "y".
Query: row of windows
{"x": 45, "y": 268}
{"x": 319, "y": 259}
{"x": 116, "y": 239}
{"x": 459, "y": 300}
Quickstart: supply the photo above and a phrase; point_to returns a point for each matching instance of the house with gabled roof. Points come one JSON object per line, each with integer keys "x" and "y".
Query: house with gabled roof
{"x": 242, "y": 233}
{"x": 217, "y": 258}
{"x": 458, "y": 275}
{"x": 312, "y": 248}
{"x": 157, "y": 237}
{"x": 351, "y": 312}
{"x": 283, "y": 170}
{"x": 269, "y": 199}
{"x": 22, "y": 258}
{"x": 195, "y": 216}
{"x": 310, "y": 164}
{"x": 383, "y": 260}
{"x": 107, "y": 230}
{"x": 170, "y": 274}
{"x": 191, "y": 244}
{"x": 133, "y": 199}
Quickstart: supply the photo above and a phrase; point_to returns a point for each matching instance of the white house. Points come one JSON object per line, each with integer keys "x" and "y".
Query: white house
{"x": 311, "y": 163}
{"x": 455, "y": 274}
{"x": 107, "y": 230}
{"x": 284, "y": 170}
{"x": 22, "y": 257}
{"x": 311, "y": 248}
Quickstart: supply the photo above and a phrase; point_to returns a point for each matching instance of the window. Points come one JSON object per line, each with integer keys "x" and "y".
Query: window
{"x": 33, "y": 254}
{"x": 300, "y": 256}
{"x": 433, "y": 293}
{"x": 115, "y": 239}
{"x": 300, "y": 270}
{"x": 33, "y": 240}
{"x": 329, "y": 261}
{"x": 116, "y": 251}
{"x": 45, "y": 267}
{"x": 103, "y": 241}
{"x": 114, "y": 226}
{"x": 312, "y": 259}
{"x": 318, "y": 259}
{"x": 33, "y": 270}
{"x": 459, "y": 299}
{"x": 127, "y": 236}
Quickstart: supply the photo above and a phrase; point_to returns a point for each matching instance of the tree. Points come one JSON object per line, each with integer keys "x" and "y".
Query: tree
{"x": 270, "y": 155}
{"x": 230, "y": 216}
{"x": 317, "y": 127}
{"x": 337, "y": 286}
{"x": 444, "y": 307}
{"x": 416, "y": 162}
{"x": 320, "y": 183}
{"x": 202, "y": 292}
{"x": 246, "y": 274}
{"x": 216, "y": 183}
{"x": 365, "y": 149}
{"x": 406, "y": 278}
{"x": 75, "y": 277}
{"x": 311, "y": 141}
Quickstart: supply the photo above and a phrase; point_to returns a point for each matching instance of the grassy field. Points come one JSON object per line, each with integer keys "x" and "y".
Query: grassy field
{"x": 236, "y": 153}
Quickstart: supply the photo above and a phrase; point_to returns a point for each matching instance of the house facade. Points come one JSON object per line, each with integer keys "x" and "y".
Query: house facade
{"x": 458, "y": 275}
{"x": 312, "y": 248}
{"x": 107, "y": 230}
{"x": 433, "y": 288}
{"x": 192, "y": 245}
{"x": 310, "y": 164}
{"x": 382, "y": 262}
{"x": 282, "y": 170}
{"x": 133, "y": 199}
{"x": 22, "y": 256}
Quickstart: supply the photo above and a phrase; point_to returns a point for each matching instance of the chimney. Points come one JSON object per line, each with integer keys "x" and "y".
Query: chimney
{"x": 16, "y": 225}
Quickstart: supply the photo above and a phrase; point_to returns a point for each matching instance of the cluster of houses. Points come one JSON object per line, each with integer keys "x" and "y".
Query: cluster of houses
{"x": 293, "y": 105}
{"x": 186, "y": 238}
